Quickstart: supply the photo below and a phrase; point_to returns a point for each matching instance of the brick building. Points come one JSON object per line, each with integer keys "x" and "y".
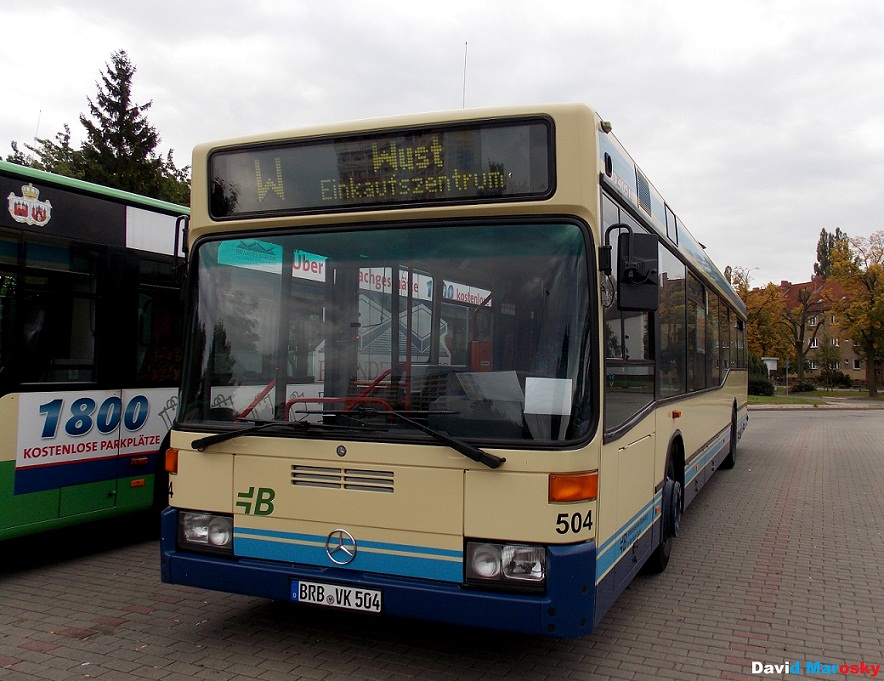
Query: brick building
{"x": 824, "y": 338}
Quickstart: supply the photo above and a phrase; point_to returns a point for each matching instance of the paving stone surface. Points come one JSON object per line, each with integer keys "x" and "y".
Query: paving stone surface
{"x": 781, "y": 561}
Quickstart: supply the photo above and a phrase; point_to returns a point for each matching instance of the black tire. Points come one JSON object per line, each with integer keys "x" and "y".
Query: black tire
{"x": 671, "y": 522}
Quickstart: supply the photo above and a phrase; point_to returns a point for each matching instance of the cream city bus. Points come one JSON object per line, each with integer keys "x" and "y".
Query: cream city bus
{"x": 465, "y": 367}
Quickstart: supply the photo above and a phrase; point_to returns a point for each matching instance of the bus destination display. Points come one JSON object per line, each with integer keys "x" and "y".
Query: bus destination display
{"x": 451, "y": 164}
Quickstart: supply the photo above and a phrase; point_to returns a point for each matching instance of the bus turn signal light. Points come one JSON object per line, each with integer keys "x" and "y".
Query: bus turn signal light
{"x": 172, "y": 461}
{"x": 574, "y": 486}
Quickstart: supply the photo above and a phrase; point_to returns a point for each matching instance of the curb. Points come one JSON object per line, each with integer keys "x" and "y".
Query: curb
{"x": 824, "y": 405}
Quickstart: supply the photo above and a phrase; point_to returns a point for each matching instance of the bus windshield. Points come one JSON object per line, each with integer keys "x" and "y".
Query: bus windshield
{"x": 479, "y": 331}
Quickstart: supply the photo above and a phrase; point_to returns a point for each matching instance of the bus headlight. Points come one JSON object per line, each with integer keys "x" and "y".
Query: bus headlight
{"x": 519, "y": 566}
{"x": 205, "y": 531}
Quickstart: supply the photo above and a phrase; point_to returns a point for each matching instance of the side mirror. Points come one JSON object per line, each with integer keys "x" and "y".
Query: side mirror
{"x": 637, "y": 268}
{"x": 179, "y": 250}
{"x": 637, "y": 272}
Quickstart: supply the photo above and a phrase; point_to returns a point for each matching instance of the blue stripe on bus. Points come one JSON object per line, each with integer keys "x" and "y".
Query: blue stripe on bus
{"x": 615, "y": 546}
{"x": 316, "y": 538}
{"x": 644, "y": 519}
{"x": 396, "y": 559}
{"x": 705, "y": 455}
{"x": 41, "y": 478}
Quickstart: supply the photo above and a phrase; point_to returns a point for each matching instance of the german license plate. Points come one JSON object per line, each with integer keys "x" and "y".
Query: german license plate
{"x": 336, "y": 596}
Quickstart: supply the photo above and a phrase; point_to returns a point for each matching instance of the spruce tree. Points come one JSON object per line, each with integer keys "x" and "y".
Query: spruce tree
{"x": 119, "y": 150}
{"x": 120, "y": 142}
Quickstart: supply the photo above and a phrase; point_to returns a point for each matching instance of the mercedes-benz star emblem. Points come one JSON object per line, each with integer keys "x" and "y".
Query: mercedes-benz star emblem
{"x": 340, "y": 547}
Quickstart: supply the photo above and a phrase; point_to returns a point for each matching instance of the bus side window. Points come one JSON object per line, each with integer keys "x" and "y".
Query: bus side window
{"x": 9, "y": 364}
{"x": 629, "y": 366}
{"x": 673, "y": 330}
{"x": 57, "y": 314}
{"x": 8, "y": 286}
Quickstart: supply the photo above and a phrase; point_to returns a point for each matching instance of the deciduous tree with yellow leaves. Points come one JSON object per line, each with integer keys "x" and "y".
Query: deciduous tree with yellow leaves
{"x": 765, "y": 334}
{"x": 860, "y": 308}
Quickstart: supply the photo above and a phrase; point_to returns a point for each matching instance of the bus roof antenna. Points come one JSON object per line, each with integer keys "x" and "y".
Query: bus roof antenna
{"x": 463, "y": 103}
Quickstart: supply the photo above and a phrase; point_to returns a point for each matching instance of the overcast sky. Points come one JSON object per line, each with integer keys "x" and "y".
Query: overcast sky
{"x": 760, "y": 123}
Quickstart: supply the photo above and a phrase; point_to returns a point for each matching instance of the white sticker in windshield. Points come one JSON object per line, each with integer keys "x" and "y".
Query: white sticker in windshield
{"x": 548, "y": 396}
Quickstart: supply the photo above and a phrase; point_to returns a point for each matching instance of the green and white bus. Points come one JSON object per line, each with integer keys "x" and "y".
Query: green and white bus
{"x": 90, "y": 346}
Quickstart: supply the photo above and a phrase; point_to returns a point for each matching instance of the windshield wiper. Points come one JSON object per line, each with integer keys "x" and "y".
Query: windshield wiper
{"x": 303, "y": 426}
{"x": 468, "y": 450}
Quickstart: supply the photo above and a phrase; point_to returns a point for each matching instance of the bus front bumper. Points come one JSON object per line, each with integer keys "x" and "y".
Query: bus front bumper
{"x": 567, "y": 609}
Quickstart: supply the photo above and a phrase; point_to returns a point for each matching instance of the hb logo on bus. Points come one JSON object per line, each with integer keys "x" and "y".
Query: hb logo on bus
{"x": 256, "y": 504}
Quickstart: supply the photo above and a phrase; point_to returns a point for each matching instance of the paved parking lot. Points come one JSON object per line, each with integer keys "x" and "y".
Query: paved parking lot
{"x": 781, "y": 561}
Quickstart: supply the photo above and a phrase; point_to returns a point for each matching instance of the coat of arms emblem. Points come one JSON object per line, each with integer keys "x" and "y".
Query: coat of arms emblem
{"x": 28, "y": 209}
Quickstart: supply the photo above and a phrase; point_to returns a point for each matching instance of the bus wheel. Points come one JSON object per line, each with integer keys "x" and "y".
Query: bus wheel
{"x": 671, "y": 523}
{"x": 731, "y": 458}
